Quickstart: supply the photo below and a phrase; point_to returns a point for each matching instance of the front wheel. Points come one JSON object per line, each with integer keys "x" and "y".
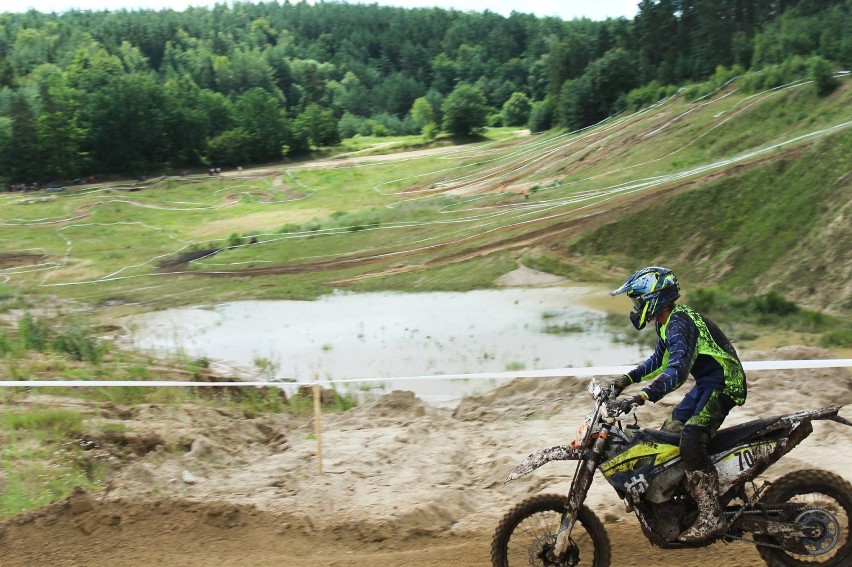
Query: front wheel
{"x": 826, "y": 501}
{"x": 527, "y": 533}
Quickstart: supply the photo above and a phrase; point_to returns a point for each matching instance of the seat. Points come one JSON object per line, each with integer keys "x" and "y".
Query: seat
{"x": 724, "y": 439}
{"x": 730, "y": 436}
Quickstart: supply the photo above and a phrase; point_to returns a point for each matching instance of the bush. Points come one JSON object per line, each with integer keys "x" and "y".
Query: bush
{"x": 35, "y": 334}
{"x": 772, "y": 76}
{"x": 837, "y": 338}
{"x": 541, "y": 116}
{"x": 767, "y": 309}
{"x": 772, "y": 303}
{"x": 351, "y": 125}
{"x": 79, "y": 343}
{"x": 649, "y": 94}
{"x": 235, "y": 240}
{"x": 384, "y": 124}
{"x": 822, "y": 74}
{"x": 516, "y": 110}
{"x": 77, "y": 340}
{"x": 465, "y": 111}
{"x": 430, "y": 131}
{"x": 6, "y": 345}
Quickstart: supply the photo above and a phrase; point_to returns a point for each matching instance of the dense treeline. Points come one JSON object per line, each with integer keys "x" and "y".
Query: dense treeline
{"x": 128, "y": 92}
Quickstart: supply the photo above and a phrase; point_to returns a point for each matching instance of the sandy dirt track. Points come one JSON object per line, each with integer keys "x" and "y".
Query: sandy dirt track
{"x": 405, "y": 483}
{"x": 191, "y": 535}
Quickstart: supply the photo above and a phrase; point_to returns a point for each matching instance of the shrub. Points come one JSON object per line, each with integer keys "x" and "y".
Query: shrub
{"x": 234, "y": 240}
{"x": 6, "y": 344}
{"x": 651, "y": 93}
{"x": 79, "y": 342}
{"x": 541, "y": 116}
{"x": 34, "y": 333}
{"x": 822, "y": 74}
{"x": 837, "y": 338}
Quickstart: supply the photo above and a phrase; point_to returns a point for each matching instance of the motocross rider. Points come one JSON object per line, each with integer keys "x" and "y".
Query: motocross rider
{"x": 687, "y": 343}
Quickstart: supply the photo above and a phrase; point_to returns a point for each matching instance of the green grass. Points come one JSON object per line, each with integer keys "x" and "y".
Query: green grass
{"x": 62, "y": 422}
{"x": 40, "y": 458}
{"x": 757, "y": 221}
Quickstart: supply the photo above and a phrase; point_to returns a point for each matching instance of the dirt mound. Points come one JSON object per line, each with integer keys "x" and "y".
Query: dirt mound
{"x": 527, "y": 277}
{"x": 393, "y": 408}
{"x": 525, "y": 398}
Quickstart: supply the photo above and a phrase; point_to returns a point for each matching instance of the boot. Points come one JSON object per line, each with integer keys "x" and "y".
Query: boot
{"x": 672, "y": 426}
{"x": 703, "y": 486}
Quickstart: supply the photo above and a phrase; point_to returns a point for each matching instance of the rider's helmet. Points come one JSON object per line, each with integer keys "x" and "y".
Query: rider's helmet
{"x": 651, "y": 289}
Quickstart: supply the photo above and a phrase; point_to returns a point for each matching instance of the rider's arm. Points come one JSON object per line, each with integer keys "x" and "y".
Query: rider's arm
{"x": 681, "y": 339}
{"x": 651, "y": 367}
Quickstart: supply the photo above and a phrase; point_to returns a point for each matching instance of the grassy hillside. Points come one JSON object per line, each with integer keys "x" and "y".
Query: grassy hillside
{"x": 783, "y": 225}
{"x": 749, "y": 192}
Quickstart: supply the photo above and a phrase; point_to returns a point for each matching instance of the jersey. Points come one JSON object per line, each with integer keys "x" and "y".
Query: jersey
{"x": 689, "y": 343}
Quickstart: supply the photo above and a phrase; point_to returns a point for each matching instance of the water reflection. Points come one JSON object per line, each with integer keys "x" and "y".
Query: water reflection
{"x": 381, "y": 335}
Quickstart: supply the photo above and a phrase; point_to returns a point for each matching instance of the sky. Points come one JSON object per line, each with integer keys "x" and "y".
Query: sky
{"x": 565, "y": 9}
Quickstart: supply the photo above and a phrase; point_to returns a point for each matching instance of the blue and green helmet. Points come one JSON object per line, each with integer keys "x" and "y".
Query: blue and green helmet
{"x": 651, "y": 289}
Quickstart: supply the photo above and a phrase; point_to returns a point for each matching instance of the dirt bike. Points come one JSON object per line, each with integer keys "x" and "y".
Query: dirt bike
{"x": 802, "y": 518}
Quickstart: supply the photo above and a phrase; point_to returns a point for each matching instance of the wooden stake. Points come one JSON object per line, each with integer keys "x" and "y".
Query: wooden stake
{"x": 317, "y": 424}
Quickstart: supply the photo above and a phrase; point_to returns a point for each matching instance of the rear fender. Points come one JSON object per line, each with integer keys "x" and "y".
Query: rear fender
{"x": 542, "y": 457}
{"x": 829, "y": 413}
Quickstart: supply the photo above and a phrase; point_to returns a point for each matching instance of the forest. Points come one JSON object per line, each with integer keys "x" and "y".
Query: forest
{"x": 147, "y": 92}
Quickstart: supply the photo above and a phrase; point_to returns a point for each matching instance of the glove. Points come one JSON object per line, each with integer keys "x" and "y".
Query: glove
{"x": 626, "y": 404}
{"x": 620, "y": 383}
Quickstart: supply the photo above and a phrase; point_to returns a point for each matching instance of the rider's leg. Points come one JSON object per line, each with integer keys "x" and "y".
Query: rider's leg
{"x": 702, "y": 481}
{"x": 682, "y": 412}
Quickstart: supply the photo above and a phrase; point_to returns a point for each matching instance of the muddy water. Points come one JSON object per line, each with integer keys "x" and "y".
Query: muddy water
{"x": 384, "y": 335}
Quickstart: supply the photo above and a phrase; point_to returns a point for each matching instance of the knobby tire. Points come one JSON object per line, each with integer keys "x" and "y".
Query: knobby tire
{"x": 812, "y": 482}
{"x": 547, "y": 505}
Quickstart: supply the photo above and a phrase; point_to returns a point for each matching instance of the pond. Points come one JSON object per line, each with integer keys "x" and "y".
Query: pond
{"x": 386, "y": 335}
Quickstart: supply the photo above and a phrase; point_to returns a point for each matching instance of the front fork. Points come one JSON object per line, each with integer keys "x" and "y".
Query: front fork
{"x": 579, "y": 489}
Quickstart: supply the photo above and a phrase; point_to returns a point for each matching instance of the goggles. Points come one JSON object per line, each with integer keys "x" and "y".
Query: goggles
{"x": 637, "y": 300}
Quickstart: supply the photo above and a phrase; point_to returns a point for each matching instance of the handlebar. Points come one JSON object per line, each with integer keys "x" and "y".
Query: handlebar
{"x": 632, "y": 412}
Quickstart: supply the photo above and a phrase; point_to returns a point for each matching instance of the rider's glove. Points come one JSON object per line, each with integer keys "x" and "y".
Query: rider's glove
{"x": 626, "y": 404}
{"x": 620, "y": 383}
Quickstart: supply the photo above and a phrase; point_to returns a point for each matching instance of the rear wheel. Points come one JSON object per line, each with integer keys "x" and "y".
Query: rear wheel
{"x": 826, "y": 500}
{"x": 527, "y": 533}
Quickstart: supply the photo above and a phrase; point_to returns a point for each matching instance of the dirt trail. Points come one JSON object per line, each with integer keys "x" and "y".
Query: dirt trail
{"x": 180, "y": 534}
{"x": 405, "y": 483}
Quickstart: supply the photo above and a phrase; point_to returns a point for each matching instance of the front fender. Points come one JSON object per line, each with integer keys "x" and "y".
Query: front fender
{"x": 542, "y": 457}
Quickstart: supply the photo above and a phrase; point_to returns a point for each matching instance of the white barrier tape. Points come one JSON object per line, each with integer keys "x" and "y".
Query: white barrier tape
{"x": 548, "y": 373}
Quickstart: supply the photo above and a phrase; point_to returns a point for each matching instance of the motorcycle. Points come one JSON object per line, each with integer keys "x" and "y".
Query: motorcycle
{"x": 802, "y": 518}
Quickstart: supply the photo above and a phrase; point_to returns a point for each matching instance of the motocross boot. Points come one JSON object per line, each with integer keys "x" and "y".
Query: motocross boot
{"x": 703, "y": 486}
{"x": 672, "y": 426}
